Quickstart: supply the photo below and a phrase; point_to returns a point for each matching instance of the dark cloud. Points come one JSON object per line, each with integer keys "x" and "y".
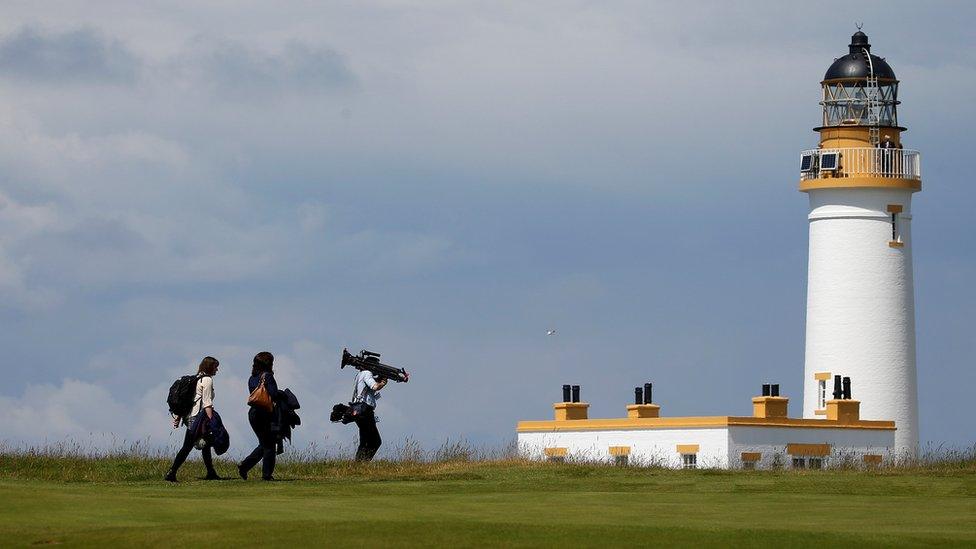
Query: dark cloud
{"x": 237, "y": 70}
{"x": 82, "y": 55}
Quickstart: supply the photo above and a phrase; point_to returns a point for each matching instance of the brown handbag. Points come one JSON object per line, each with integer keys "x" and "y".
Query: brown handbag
{"x": 260, "y": 398}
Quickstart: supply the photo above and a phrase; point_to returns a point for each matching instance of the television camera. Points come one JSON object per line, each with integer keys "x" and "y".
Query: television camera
{"x": 368, "y": 360}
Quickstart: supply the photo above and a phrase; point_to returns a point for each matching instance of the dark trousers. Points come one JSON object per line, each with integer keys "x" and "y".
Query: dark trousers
{"x": 188, "y": 441}
{"x": 261, "y": 424}
{"x": 369, "y": 435}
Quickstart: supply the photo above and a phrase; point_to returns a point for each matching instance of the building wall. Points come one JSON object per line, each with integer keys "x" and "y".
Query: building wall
{"x": 860, "y": 305}
{"x": 647, "y": 447}
{"x": 845, "y": 443}
{"x": 719, "y": 447}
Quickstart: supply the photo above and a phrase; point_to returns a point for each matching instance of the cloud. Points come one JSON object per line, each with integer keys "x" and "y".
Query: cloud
{"x": 229, "y": 68}
{"x": 83, "y": 55}
{"x": 72, "y": 408}
{"x": 623, "y": 174}
{"x": 312, "y": 216}
{"x": 20, "y": 222}
{"x": 18, "y": 219}
{"x": 101, "y": 415}
{"x": 236, "y": 70}
{"x": 396, "y": 253}
{"x": 16, "y": 292}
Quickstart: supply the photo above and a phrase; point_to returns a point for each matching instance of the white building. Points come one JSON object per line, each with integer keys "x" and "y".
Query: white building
{"x": 860, "y": 314}
{"x": 766, "y": 439}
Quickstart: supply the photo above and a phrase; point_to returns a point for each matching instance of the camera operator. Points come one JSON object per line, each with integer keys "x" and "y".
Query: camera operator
{"x": 365, "y": 394}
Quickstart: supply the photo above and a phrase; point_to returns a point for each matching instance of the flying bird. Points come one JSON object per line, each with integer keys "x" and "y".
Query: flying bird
{"x": 550, "y": 332}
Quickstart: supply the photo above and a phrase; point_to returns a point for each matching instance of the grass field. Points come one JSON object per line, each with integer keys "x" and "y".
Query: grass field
{"x": 121, "y": 501}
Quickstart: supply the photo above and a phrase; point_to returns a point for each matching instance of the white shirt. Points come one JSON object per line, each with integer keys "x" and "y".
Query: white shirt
{"x": 204, "y": 397}
{"x": 365, "y": 391}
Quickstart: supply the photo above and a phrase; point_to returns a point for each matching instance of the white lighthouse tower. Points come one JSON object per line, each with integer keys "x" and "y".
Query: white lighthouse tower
{"x": 860, "y": 292}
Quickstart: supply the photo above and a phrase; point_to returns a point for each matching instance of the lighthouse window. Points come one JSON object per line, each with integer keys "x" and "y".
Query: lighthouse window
{"x": 689, "y": 461}
{"x": 821, "y": 394}
{"x": 894, "y": 210}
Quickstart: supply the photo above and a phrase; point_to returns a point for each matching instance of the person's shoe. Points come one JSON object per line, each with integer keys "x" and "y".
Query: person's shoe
{"x": 212, "y": 475}
{"x": 170, "y": 476}
{"x": 242, "y": 472}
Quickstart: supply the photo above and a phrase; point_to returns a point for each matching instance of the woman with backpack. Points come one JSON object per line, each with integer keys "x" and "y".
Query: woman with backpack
{"x": 203, "y": 402}
{"x": 264, "y": 392}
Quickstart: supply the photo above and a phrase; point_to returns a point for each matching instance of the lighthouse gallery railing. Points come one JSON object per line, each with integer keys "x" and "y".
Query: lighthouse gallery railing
{"x": 860, "y": 162}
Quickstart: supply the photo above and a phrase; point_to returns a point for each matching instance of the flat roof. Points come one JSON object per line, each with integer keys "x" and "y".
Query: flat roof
{"x": 649, "y": 423}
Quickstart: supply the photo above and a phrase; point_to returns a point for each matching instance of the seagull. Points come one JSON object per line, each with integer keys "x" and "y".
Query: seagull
{"x": 550, "y": 332}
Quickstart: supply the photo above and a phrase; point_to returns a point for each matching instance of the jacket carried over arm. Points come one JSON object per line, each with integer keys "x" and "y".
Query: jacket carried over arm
{"x": 285, "y": 419}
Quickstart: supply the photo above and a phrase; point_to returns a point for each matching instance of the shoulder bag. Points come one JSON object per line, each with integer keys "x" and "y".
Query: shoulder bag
{"x": 260, "y": 398}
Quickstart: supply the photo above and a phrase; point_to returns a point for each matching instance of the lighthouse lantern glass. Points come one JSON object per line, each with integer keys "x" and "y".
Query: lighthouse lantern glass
{"x": 846, "y": 102}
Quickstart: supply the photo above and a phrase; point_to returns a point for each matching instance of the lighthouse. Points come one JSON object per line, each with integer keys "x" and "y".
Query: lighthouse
{"x": 860, "y": 321}
{"x": 860, "y": 403}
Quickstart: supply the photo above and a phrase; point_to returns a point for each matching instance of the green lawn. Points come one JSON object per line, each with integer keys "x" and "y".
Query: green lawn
{"x": 484, "y": 503}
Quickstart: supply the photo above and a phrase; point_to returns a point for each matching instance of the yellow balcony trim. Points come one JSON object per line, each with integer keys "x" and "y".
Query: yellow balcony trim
{"x": 555, "y": 452}
{"x": 822, "y": 376}
{"x": 860, "y": 183}
{"x": 895, "y": 244}
{"x": 751, "y": 456}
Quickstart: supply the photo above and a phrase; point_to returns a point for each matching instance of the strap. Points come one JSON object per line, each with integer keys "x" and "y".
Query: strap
{"x": 357, "y": 395}
{"x": 195, "y": 400}
{"x": 199, "y": 377}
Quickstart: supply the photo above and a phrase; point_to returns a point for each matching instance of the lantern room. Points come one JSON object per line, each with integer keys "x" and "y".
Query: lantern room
{"x": 860, "y": 139}
{"x": 860, "y": 89}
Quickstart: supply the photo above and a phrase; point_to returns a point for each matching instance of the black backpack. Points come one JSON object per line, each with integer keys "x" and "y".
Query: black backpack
{"x": 182, "y": 395}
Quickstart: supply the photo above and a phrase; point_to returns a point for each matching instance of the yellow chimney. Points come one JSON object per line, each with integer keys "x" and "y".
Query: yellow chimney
{"x": 570, "y": 410}
{"x": 769, "y": 406}
{"x": 844, "y": 411}
{"x": 635, "y": 411}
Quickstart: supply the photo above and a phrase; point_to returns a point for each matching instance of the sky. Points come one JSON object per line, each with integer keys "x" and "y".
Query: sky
{"x": 443, "y": 183}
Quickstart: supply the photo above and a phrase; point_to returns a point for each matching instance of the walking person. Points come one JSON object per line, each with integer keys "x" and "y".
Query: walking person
{"x": 261, "y": 418}
{"x": 203, "y": 402}
{"x": 365, "y": 393}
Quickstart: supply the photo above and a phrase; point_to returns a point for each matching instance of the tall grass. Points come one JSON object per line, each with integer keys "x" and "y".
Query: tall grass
{"x": 455, "y": 459}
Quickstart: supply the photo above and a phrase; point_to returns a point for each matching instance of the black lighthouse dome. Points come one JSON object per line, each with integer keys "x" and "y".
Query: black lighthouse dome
{"x": 855, "y": 63}
{"x": 852, "y": 98}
